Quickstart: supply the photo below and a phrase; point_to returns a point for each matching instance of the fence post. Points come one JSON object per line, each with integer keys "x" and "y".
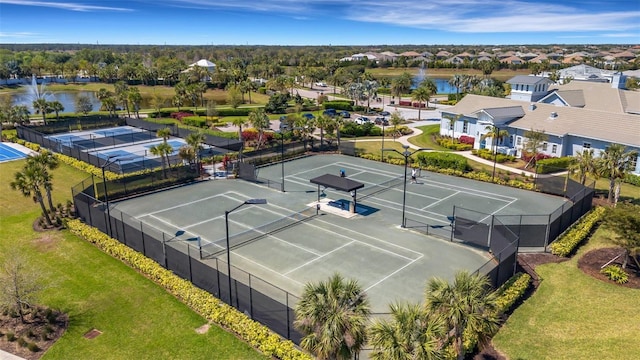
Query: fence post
{"x": 144, "y": 248}
{"x": 288, "y": 320}
{"x": 189, "y": 256}
{"x": 164, "y": 251}
{"x": 453, "y": 223}
{"x": 547, "y": 233}
{"x": 250, "y": 298}
{"x": 490, "y": 233}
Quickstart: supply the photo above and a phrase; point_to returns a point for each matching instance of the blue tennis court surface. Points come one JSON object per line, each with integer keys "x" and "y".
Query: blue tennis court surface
{"x": 175, "y": 144}
{"x": 7, "y": 153}
{"x": 115, "y": 131}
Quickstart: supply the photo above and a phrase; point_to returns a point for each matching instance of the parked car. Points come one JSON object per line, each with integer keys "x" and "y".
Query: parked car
{"x": 381, "y": 121}
{"x": 330, "y": 112}
{"x": 309, "y": 116}
{"x": 385, "y": 113}
{"x": 345, "y": 114}
{"x": 361, "y": 120}
{"x": 321, "y": 84}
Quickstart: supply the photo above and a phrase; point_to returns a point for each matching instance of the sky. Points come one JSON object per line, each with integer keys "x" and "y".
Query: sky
{"x": 320, "y": 22}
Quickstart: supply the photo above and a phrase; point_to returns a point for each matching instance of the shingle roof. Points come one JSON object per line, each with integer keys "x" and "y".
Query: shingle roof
{"x": 528, "y": 80}
{"x": 574, "y": 98}
{"x": 601, "y": 125}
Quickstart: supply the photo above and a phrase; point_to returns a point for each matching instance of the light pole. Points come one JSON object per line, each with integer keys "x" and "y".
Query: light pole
{"x": 282, "y": 158}
{"x": 382, "y": 155}
{"x": 406, "y": 153}
{"x": 226, "y": 224}
{"x": 110, "y": 160}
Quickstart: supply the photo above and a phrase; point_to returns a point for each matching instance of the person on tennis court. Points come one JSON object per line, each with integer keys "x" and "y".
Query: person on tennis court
{"x": 414, "y": 172}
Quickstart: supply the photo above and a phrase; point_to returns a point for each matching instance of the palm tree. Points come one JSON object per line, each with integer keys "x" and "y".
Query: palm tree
{"x": 240, "y": 122}
{"x": 135, "y": 98}
{"x": 451, "y": 121}
{"x": 401, "y": 85}
{"x": 57, "y": 107}
{"x": 260, "y": 121}
{"x": 615, "y": 165}
{"x": 422, "y": 93}
{"x": 157, "y": 102}
{"x": 496, "y": 135}
{"x": 322, "y": 122}
{"x": 163, "y": 150}
{"x": 411, "y": 333}
{"x": 43, "y": 107}
{"x": 195, "y": 140}
{"x": 30, "y": 182}
{"x": 468, "y": 307}
{"x": 164, "y": 133}
{"x": 396, "y": 119}
{"x": 47, "y": 162}
{"x": 532, "y": 145}
{"x": 332, "y": 317}
{"x": 584, "y": 165}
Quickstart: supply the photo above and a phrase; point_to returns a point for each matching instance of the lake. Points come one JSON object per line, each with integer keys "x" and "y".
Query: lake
{"x": 67, "y": 98}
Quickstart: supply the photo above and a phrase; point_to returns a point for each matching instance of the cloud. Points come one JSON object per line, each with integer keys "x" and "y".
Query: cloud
{"x": 495, "y": 16}
{"x": 63, "y": 5}
{"x": 18, "y": 35}
{"x": 461, "y": 16}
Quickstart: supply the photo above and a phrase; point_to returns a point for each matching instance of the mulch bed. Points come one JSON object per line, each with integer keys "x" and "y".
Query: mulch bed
{"x": 40, "y": 328}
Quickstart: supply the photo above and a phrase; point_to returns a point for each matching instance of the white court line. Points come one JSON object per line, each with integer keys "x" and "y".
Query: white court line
{"x": 318, "y": 258}
{"x": 202, "y": 239}
{"x": 443, "y": 199}
{"x": 390, "y": 275}
{"x": 314, "y": 169}
{"x": 495, "y": 212}
{"x": 399, "y": 208}
{"x": 391, "y": 173}
{"x": 479, "y": 193}
{"x": 275, "y": 237}
{"x": 214, "y": 218}
{"x": 268, "y": 269}
{"x": 178, "y": 206}
{"x": 352, "y": 239}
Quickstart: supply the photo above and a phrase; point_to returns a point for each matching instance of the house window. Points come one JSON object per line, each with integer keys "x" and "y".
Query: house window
{"x": 451, "y": 123}
{"x": 465, "y": 127}
{"x": 511, "y": 140}
{"x": 554, "y": 149}
{"x": 545, "y": 146}
{"x": 633, "y": 162}
{"x": 519, "y": 140}
{"x": 586, "y": 145}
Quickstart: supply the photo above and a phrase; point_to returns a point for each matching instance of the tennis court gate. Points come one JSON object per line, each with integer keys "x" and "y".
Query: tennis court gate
{"x": 256, "y": 298}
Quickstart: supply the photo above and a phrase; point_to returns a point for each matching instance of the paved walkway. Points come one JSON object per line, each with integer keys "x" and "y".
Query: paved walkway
{"x": 8, "y": 356}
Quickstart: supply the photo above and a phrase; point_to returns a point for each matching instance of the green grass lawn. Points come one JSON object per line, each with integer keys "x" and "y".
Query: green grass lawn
{"x": 574, "y": 316}
{"x": 138, "y": 318}
{"x": 425, "y": 140}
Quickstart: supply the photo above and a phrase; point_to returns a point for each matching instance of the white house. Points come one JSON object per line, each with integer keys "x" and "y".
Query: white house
{"x": 571, "y": 123}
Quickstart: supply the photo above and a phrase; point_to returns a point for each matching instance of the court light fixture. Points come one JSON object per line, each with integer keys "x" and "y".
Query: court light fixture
{"x": 226, "y": 224}
{"x": 407, "y": 154}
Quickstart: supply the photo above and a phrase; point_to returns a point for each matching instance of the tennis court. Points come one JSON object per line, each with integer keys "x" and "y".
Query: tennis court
{"x": 8, "y": 153}
{"x": 285, "y": 243}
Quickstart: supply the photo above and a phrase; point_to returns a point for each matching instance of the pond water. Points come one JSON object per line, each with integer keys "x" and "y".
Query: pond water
{"x": 442, "y": 84}
{"x": 67, "y": 98}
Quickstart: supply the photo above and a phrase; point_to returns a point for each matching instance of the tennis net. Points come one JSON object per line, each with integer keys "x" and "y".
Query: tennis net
{"x": 212, "y": 250}
{"x": 378, "y": 188}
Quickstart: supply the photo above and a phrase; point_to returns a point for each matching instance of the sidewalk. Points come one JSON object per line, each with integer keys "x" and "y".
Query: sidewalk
{"x": 8, "y": 356}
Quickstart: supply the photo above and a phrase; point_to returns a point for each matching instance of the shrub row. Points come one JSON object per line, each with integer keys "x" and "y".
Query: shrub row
{"x": 632, "y": 179}
{"x": 338, "y": 105}
{"x": 572, "y": 237}
{"x": 550, "y": 165}
{"x": 507, "y": 295}
{"x": 511, "y": 291}
{"x": 197, "y": 121}
{"x": 453, "y": 144}
{"x": 197, "y": 299}
{"x": 443, "y": 160}
{"x": 489, "y": 155}
{"x": 473, "y": 175}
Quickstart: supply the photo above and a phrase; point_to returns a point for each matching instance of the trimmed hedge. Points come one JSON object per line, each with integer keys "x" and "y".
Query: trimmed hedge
{"x": 197, "y": 299}
{"x": 572, "y": 237}
{"x": 489, "y": 155}
{"x": 546, "y": 166}
{"x": 338, "y": 105}
{"x": 632, "y": 179}
{"x": 443, "y": 161}
{"x": 511, "y": 291}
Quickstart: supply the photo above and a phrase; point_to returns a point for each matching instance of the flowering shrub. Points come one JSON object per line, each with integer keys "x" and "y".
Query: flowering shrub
{"x": 179, "y": 115}
{"x": 197, "y": 299}
{"x": 467, "y": 139}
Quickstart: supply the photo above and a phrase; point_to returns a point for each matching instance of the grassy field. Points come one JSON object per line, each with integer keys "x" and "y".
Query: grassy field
{"x": 425, "y": 140}
{"x": 138, "y": 319}
{"x": 574, "y": 316}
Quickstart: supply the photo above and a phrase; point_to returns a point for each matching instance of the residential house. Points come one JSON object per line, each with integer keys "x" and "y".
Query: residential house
{"x": 566, "y": 116}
